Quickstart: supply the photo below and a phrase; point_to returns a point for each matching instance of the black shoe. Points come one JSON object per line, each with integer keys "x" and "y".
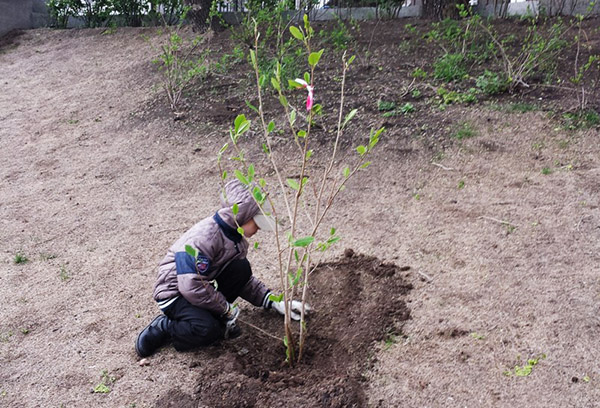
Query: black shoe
{"x": 153, "y": 337}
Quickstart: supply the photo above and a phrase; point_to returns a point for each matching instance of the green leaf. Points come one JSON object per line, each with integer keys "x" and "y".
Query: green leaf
{"x": 240, "y": 176}
{"x": 333, "y": 240}
{"x": 296, "y": 256}
{"x": 303, "y": 242}
{"x": 293, "y": 116}
{"x": 351, "y": 60}
{"x": 309, "y": 154}
{"x": 283, "y": 100}
{"x": 190, "y": 250}
{"x": 294, "y": 279}
{"x": 265, "y": 148}
{"x": 250, "y": 172}
{"x": 240, "y": 231}
{"x": 275, "y": 83}
{"x": 361, "y": 150}
{"x": 307, "y": 77}
{"x": 101, "y": 389}
{"x": 258, "y": 195}
{"x": 295, "y": 31}
{"x": 225, "y": 146}
{"x": 314, "y": 57}
{"x": 293, "y": 84}
{"x": 224, "y": 175}
{"x": 347, "y": 172}
{"x": 253, "y": 58}
{"x": 304, "y": 181}
{"x": 276, "y": 298}
{"x": 235, "y": 209}
{"x": 262, "y": 183}
{"x": 332, "y": 232}
{"x": 349, "y": 116}
{"x": 302, "y": 134}
{"x": 254, "y": 108}
{"x": 365, "y": 165}
{"x": 239, "y": 120}
{"x": 271, "y": 126}
{"x": 256, "y": 245}
{"x": 293, "y": 184}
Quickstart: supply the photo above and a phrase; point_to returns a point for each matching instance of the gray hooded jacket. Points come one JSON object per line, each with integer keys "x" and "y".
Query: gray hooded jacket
{"x": 179, "y": 274}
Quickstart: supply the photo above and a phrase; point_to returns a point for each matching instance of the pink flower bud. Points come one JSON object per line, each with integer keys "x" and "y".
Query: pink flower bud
{"x": 310, "y": 98}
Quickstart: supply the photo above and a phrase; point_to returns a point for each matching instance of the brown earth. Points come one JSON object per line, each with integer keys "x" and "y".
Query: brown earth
{"x": 498, "y": 235}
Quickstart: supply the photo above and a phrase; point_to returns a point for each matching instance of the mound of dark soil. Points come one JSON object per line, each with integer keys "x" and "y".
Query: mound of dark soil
{"x": 358, "y": 301}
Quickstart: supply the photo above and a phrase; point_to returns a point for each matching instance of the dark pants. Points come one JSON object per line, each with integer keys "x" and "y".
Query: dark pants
{"x": 190, "y": 326}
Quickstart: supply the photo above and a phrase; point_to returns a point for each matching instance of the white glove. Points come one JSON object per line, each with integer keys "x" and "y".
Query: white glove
{"x": 230, "y": 318}
{"x": 295, "y": 309}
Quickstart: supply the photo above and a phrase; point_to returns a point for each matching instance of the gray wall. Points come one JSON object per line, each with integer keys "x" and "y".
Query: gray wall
{"x": 22, "y": 14}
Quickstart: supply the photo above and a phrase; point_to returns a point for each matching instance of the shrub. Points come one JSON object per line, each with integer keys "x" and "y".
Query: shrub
{"x": 491, "y": 83}
{"x": 97, "y": 13}
{"x": 131, "y": 11}
{"x": 450, "y": 67}
{"x": 61, "y": 10}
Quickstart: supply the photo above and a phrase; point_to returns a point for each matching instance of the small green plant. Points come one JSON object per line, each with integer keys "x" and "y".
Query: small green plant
{"x": 20, "y": 258}
{"x": 461, "y": 184}
{"x": 477, "y": 336}
{"x": 449, "y": 97}
{"x": 5, "y": 337}
{"x": 105, "y": 382}
{"x": 419, "y": 73}
{"x": 386, "y": 106}
{"x": 526, "y": 369}
{"x": 580, "y": 120}
{"x": 464, "y": 130}
{"x": 546, "y": 171}
{"x": 407, "y": 108}
{"x": 491, "y": 83}
{"x": 64, "y": 274}
{"x": 416, "y": 93}
{"x": 450, "y": 67}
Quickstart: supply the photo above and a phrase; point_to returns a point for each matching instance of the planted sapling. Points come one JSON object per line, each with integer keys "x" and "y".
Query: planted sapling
{"x": 305, "y": 199}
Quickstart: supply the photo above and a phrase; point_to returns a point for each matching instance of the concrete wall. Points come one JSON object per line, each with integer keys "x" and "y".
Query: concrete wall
{"x": 22, "y": 14}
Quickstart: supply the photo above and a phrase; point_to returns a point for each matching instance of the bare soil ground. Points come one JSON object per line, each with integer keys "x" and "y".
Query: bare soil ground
{"x": 488, "y": 245}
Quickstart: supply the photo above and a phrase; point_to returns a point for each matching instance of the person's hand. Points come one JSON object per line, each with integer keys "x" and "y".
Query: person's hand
{"x": 295, "y": 307}
{"x": 230, "y": 318}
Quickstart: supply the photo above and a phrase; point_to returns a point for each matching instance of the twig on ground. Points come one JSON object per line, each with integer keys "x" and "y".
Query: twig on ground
{"x": 443, "y": 167}
{"x": 259, "y": 329}
{"x": 427, "y": 277}
{"x": 497, "y": 220}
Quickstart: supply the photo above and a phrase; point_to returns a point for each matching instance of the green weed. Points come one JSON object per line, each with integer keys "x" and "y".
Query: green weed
{"x": 64, "y": 273}
{"x": 580, "y": 120}
{"x": 464, "y": 130}
{"x": 386, "y": 106}
{"x": 491, "y": 83}
{"x": 407, "y": 108}
{"x": 546, "y": 171}
{"x": 20, "y": 258}
{"x": 106, "y": 381}
{"x": 450, "y": 67}
{"x": 526, "y": 369}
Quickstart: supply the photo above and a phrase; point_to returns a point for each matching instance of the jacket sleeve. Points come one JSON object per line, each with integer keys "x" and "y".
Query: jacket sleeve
{"x": 254, "y": 292}
{"x": 195, "y": 286}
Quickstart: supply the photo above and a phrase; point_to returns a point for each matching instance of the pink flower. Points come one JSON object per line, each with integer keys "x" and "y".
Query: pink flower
{"x": 310, "y": 99}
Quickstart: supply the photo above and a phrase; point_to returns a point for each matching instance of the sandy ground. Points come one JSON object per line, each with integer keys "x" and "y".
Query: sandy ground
{"x": 504, "y": 259}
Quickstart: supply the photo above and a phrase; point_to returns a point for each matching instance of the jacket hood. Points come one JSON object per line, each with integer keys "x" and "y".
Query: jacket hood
{"x": 237, "y": 193}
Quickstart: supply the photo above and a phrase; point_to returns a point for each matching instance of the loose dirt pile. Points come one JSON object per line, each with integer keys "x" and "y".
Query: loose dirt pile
{"x": 359, "y": 303}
